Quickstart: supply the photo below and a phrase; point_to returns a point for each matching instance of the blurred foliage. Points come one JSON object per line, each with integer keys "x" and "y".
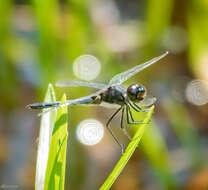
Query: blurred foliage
{"x": 39, "y": 41}
{"x": 158, "y": 20}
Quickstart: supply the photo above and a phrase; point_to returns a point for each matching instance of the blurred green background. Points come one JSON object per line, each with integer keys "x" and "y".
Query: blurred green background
{"x": 39, "y": 40}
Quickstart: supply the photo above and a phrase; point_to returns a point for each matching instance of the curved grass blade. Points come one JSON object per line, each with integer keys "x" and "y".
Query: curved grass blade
{"x": 55, "y": 172}
{"x": 128, "y": 152}
{"x": 46, "y": 127}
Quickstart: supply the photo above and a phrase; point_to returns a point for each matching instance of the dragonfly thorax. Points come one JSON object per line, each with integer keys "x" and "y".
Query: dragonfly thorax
{"x": 115, "y": 95}
{"x": 136, "y": 92}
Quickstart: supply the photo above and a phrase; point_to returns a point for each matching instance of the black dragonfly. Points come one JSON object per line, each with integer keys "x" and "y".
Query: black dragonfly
{"x": 110, "y": 95}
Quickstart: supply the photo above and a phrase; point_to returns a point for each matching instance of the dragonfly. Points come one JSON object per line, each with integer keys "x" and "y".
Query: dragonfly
{"x": 110, "y": 95}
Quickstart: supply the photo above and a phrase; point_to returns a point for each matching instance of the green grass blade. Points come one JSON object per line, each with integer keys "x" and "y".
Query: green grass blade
{"x": 156, "y": 152}
{"x": 55, "y": 172}
{"x": 128, "y": 153}
{"x": 46, "y": 127}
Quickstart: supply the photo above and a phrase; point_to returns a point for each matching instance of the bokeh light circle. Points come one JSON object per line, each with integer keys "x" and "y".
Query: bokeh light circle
{"x": 197, "y": 92}
{"x": 90, "y": 132}
{"x": 86, "y": 67}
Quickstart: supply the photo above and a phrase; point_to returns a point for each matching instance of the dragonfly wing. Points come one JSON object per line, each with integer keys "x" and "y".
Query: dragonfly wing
{"x": 73, "y": 83}
{"x": 121, "y": 77}
{"x": 148, "y": 101}
{"x": 103, "y": 104}
{"x": 110, "y": 106}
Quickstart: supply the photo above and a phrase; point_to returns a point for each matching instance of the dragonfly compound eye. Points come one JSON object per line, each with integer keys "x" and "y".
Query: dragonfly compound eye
{"x": 136, "y": 92}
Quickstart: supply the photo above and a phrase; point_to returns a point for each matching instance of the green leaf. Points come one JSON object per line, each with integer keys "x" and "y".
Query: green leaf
{"x": 55, "y": 173}
{"x": 46, "y": 127}
{"x": 128, "y": 153}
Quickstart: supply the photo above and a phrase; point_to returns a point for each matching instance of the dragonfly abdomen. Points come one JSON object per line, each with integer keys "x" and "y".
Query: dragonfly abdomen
{"x": 43, "y": 105}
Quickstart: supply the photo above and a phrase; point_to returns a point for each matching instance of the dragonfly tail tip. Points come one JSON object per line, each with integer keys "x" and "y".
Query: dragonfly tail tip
{"x": 28, "y": 106}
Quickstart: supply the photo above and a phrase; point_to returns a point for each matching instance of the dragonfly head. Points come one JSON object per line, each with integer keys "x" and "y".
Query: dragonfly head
{"x": 136, "y": 92}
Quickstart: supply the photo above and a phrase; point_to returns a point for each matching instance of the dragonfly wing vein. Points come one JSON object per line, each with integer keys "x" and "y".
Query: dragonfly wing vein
{"x": 75, "y": 83}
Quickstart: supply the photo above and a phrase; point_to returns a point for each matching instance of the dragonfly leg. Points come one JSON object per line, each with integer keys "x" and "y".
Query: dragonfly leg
{"x": 128, "y": 112}
{"x": 137, "y": 108}
{"x": 123, "y": 127}
{"x": 111, "y": 132}
{"x": 141, "y": 110}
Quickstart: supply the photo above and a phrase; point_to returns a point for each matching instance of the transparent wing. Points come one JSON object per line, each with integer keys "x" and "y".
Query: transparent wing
{"x": 121, "y": 77}
{"x": 73, "y": 83}
{"x": 148, "y": 101}
{"x": 102, "y": 104}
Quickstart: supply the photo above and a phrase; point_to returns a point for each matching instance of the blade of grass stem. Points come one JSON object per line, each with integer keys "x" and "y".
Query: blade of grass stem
{"x": 154, "y": 147}
{"x": 46, "y": 127}
{"x": 55, "y": 172}
{"x": 128, "y": 153}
